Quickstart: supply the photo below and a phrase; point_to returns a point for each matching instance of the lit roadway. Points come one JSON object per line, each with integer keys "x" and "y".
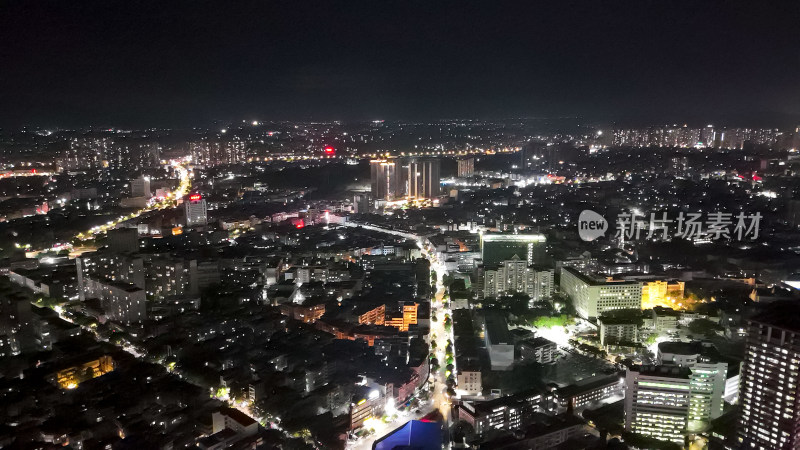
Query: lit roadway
{"x": 438, "y": 334}
{"x": 157, "y": 203}
{"x": 168, "y": 202}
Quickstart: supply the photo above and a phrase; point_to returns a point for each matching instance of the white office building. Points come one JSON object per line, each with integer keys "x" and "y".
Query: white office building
{"x": 196, "y": 211}
{"x": 592, "y": 297}
{"x": 657, "y": 401}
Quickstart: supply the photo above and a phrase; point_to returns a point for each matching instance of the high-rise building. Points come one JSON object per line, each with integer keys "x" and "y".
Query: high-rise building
{"x": 86, "y": 152}
{"x": 679, "y": 397}
{"x": 708, "y": 136}
{"x": 16, "y": 320}
{"x": 210, "y": 152}
{"x": 516, "y": 276}
{"x": 657, "y": 401}
{"x": 708, "y": 390}
{"x": 770, "y": 379}
{"x": 385, "y": 178}
{"x": 120, "y": 301}
{"x": 160, "y": 276}
{"x": 123, "y": 240}
{"x": 796, "y": 138}
{"x": 423, "y": 178}
{"x": 140, "y": 187}
{"x": 167, "y": 277}
{"x": 361, "y": 203}
{"x": 130, "y": 154}
{"x": 710, "y": 383}
{"x": 397, "y": 178}
{"x": 793, "y": 212}
{"x": 592, "y": 297}
{"x": 196, "y": 210}
{"x": 108, "y": 266}
{"x": 466, "y": 166}
{"x": 496, "y": 248}
{"x": 117, "y": 281}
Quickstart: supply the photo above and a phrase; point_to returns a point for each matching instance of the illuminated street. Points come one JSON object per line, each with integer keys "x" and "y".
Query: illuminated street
{"x": 250, "y": 225}
{"x": 185, "y": 184}
{"x": 437, "y": 385}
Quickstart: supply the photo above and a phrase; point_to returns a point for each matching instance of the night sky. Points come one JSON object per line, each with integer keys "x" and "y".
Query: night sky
{"x": 169, "y": 63}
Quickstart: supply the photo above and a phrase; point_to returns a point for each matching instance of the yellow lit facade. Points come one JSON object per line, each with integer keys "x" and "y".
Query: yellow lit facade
{"x": 404, "y": 321}
{"x": 71, "y": 377}
{"x": 375, "y": 316}
{"x": 663, "y": 293}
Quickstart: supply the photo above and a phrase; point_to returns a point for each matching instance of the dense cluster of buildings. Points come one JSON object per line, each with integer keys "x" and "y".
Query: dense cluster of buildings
{"x": 707, "y": 137}
{"x": 262, "y": 293}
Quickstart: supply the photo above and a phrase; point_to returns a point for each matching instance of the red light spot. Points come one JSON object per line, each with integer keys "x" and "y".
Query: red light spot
{"x": 300, "y": 224}
{"x": 33, "y": 170}
{"x": 329, "y": 150}
{"x": 195, "y": 197}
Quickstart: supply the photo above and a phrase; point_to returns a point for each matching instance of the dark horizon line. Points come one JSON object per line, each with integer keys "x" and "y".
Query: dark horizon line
{"x": 789, "y": 121}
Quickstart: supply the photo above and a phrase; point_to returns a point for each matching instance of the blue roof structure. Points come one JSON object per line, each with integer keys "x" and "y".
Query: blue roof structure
{"x": 414, "y": 435}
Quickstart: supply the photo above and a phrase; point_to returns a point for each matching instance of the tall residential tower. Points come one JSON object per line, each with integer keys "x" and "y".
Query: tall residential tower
{"x": 770, "y": 379}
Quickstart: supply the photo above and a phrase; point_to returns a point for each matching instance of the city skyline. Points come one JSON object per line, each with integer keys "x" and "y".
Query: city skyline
{"x": 370, "y": 225}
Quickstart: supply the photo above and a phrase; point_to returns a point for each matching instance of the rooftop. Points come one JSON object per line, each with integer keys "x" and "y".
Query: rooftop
{"x": 589, "y": 384}
{"x": 238, "y": 416}
{"x": 513, "y": 237}
{"x": 621, "y": 317}
{"x": 663, "y": 371}
{"x": 681, "y": 348}
{"x": 496, "y": 328}
{"x": 597, "y": 282}
{"x": 415, "y": 434}
{"x": 781, "y": 314}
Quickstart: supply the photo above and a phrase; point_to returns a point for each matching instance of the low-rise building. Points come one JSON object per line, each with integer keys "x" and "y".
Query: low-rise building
{"x": 538, "y": 349}
{"x": 303, "y": 313}
{"x": 230, "y": 428}
{"x": 620, "y": 327}
{"x": 235, "y": 420}
{"x": 547, "y": 432}
{"x": 512, "y": 412}
{"x": 367, "y": 403}
{"x": 591, "y": 391}
{"x": 469, "y": 380}
{"x": 659, "y": 292}
{"x": 664, "y": 319}
{"x": 468, "y": 368}
{"x": 498, "y": 340}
